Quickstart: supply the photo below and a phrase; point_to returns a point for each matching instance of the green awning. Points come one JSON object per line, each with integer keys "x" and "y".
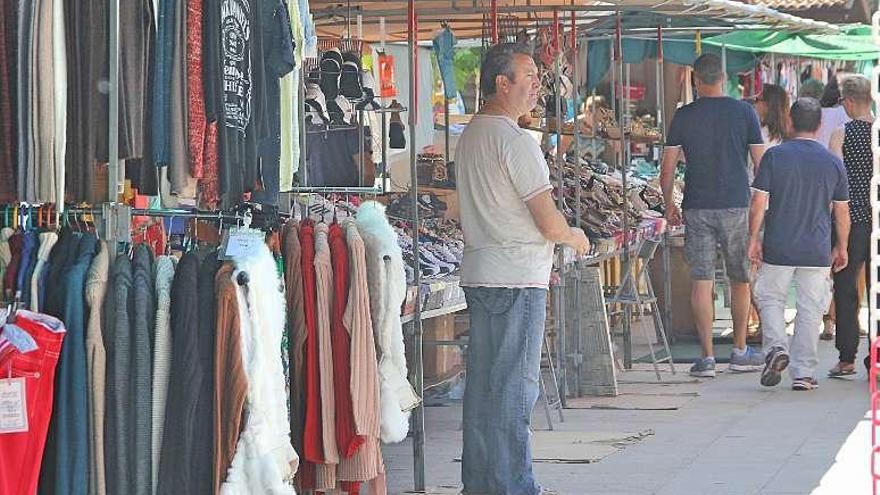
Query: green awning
{"x": 855, "y": 44}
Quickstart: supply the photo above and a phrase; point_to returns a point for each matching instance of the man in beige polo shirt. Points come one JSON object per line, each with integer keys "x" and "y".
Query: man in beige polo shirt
{"x": 510, "y": 225}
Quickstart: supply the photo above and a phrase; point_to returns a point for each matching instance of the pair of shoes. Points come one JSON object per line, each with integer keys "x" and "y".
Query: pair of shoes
{"x": 806, "y": 383}
{"x": 842, "y": 369}
{"x": 750, "y": 360}
{"x": 703, "y": 368}
{"x": 776, "y": 362}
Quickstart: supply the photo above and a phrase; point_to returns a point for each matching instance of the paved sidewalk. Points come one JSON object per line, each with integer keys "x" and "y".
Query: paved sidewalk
{"x": 723, "y": 436}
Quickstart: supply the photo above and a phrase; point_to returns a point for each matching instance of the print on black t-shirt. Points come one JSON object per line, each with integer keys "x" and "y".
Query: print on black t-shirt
{"x": 235, "y": 15}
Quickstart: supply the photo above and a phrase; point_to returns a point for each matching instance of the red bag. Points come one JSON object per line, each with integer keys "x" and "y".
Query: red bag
{"x": 387, "y": 89}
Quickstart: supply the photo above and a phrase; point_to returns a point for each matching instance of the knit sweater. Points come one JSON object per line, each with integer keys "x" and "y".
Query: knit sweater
{"x": 96, "y": 289}
{"x": 141, "y": 401}
{"x": 387, "y": 282}
{"x": 296, "y": 325}
{"x": 366, "y": 463}
{"x": 161, "y": 356}
{"x": 347, "y": 441}
{"x": 117, "y": 445}
{"x": 185, "y": 462}
{"x": 313, "y": 449}
{"x": 326, "y": 473}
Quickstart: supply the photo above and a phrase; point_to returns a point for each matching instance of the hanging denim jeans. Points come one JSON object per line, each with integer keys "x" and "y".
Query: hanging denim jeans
{"x": 444, "y": 50}
{"x": 503, "y": 369}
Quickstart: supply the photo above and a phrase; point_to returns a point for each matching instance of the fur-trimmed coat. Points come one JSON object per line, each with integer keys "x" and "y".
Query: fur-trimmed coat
{"x": 387, "y": 281}
{"x": 264, "y": 457}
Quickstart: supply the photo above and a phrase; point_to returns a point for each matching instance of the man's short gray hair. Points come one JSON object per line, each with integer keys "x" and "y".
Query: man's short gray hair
{"x": 806, "y": 114}
{"x": 498, "y": 61}
{"x": 707, "y": 68}
{"x": 856, "y": 88}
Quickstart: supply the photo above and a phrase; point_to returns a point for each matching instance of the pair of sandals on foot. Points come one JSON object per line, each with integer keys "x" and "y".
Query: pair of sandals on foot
{"x": 841, "y": 370}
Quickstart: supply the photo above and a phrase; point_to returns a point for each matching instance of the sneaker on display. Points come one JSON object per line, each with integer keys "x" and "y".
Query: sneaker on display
{"x": 750, "y": 360}
{"x": 703, "y": 368}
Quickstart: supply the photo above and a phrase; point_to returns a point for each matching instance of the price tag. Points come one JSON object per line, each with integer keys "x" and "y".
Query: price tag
{"x": 13, "y": 406}
{"x": 241, "y": 245}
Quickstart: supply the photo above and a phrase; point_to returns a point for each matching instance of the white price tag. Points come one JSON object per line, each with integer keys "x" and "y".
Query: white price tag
{"x": 241, "y": 245}
{"x": 13, "y": 406}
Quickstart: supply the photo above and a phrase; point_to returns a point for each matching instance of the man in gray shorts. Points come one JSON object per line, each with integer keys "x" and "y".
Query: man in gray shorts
{"x": 716, "y": 134}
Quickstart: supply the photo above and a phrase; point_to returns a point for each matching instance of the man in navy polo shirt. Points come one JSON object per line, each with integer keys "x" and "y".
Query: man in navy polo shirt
{"x": 716, "y": 134}
{"x": 803, "y": 183}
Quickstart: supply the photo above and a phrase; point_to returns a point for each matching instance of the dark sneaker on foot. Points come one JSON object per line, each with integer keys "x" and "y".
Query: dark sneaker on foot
{"x": 750, "y": 360}
{"x": 802, "y": 384}
{"x": 776, "y": 362}
{"x": 703, "y": 368}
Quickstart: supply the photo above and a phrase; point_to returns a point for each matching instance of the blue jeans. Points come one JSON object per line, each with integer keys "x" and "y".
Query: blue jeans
{"x": 503, "y": 369}
{"x": 444, "y": 50}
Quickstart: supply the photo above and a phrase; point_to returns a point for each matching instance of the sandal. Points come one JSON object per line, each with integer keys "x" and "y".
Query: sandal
{"x": 840, "y": 370}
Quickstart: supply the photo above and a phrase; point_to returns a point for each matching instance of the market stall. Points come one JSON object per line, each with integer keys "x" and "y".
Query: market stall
{"x": 612, "y": 34}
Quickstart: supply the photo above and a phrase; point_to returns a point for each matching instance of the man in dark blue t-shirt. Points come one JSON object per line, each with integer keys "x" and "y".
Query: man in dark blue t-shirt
{"x": 716, "y": 134}
{"x": 802, "y": 182}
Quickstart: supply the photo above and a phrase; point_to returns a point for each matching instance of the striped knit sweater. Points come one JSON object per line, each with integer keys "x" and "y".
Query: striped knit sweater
{"x": 326, "y": 477}
{"x": 161, "y": 355}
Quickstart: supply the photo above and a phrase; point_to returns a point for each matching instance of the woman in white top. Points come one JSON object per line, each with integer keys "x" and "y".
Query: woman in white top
{"x": 833, "y": 114}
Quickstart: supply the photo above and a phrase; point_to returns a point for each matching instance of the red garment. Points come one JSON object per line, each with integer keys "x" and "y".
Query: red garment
{"x": 346, "y": 439}
{"x": 20, "y": 472}
{"x": 9, "y": 282}
{"x": 312, "y": 435}
{"x": 351, "y": 487}
{"x": 209, "y": 184}
{"x": 196, "y": 125}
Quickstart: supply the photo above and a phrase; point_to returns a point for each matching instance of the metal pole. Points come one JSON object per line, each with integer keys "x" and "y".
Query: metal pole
{"x": 560, "y": 169}
{"x": 303, "y": 133}
{"x": 113, "y": 181}
{"x": 418, "y": 415}
{"x": 624, "y": 166}
{"x": 494, "y": 20}
{"x": 661, "y": 126}
{"x": 578, "y": 170}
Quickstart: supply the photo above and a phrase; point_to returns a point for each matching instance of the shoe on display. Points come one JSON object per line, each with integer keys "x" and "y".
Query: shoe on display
{"x": 703, "y": 368}
{"x": 331, "y": 67}
{"x": 316, "y": 104}
{"x": 750, "y": 360}
{"x": 804, "y": 384}
{"x": 775, "y": 363}
{"x": 350, "y": 81}
{"x": 341, "y": 111}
